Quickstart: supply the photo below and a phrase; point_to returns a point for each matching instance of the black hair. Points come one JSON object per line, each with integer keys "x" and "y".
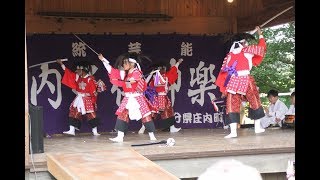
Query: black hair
{"x": 158, "y": 65}
{"x": 86, "y": 66}
{"x": 293, "y": 94}
{"x": 139, "y": 57}
{"x": 229, "y": 39}
{"x": 273, "y": 93}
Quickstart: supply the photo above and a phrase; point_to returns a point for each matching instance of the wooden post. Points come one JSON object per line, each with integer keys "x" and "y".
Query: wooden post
{"x": 232, "y": 17}
{"x": 26, "y": 107}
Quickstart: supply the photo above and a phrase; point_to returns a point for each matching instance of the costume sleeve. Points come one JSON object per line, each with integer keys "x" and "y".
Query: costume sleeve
{"x": 142, "y": 85}
{"x": 256, "y": 59}
{"x": 151, "y": 82}
{"x": 93, "y": 89}
{"x": 115, "y": 77}
{"x": 172, "y": 74}
{"x": 222, "y": 76}
{"x": 149, "y": 77}
{"x": 106, "y": 64}
{"x": 69, "y": 79}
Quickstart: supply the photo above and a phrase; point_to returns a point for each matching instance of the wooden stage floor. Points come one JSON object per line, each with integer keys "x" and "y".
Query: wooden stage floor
{"x": 203, "y": 144}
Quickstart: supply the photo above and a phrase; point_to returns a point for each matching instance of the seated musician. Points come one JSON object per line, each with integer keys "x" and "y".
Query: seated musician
{"x": 275, "y": 113}
{"x": 291, "y": 110}
{"x": 290, "y": 114}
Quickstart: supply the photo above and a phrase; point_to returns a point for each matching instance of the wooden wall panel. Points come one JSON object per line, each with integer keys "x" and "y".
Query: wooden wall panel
{"x": 176, "y": 8}
{"x": 133, "y": 6}
{"x": 75, "y": 7}
{"x": 240, "y": 15}
{"x": 192, "y": 25}
{"x": 152, "y": 6}
{"x": 113, "y": 6}
{"x": 164, "y": 6}
{"x": 172, "y": 8}
{"x": 211, "y": 8}
{"x": 67, "y": 6}
{"x": 248, "y": 7}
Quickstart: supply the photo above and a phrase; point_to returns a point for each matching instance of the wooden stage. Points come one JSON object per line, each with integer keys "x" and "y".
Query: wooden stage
{"x": 194, "y": 151}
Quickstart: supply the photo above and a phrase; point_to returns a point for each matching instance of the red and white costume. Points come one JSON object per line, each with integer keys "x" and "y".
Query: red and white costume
{"x": 134, "y": 101}
{"x": 162, "y": 84}
{"x": 134, "y": 105}
{"x": 235, "y": 81}
{"x": 85, "y": 87}
{"x": 242, "y": 59}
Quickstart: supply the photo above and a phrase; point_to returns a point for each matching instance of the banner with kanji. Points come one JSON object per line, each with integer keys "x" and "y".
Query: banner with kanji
{"x": 191, "y": 95}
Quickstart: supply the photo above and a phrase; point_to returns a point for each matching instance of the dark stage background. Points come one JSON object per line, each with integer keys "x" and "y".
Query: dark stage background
{"x": 191, "y": 95}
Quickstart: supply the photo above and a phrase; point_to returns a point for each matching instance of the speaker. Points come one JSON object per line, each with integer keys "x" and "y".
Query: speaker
{"x": 36, "y": 128}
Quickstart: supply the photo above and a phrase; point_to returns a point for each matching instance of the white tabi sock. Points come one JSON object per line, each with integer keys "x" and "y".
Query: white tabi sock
{"x": 71, "y": 131}
{"x": 174, "y": 129}
{"x": 142, "y": 129}
{"x": 152, "y": 138}
{"x": 233, "y": 133}
{"x": 95, "y": 131}
{"x": 257, "y": 126}
{"x": 119, "y": 138}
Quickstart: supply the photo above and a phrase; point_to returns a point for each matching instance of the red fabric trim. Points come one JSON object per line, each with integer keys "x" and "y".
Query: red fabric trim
{"x": 69, "y": 79}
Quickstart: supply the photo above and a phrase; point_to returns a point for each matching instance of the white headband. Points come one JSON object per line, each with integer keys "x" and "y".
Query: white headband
{"x": 134, "y": 61}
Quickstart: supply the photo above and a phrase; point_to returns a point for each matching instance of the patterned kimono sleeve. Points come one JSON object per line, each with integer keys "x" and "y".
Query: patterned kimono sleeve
{"x": 222, "y": 76}
{"x": 257, "y": 59}
{"x": 115, "y": 77}
{"x": 69, "y": 79}
{"x": 92, "y": 89}
{"x": 142, "y": 85}
{"x": 172, "y": 75}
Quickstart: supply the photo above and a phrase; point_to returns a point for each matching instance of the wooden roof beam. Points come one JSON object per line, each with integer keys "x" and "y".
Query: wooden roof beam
{"x": 249, "y": 23}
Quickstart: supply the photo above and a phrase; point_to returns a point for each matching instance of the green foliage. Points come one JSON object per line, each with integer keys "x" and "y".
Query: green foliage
{"x": 277, "y": 70}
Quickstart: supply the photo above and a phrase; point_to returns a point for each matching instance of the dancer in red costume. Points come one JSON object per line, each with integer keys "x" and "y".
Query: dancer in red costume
{"x": 236, "y": 83}
{"x": 84, "y": 104}
{"x": 161, "y": 80}
{"x": 127, "y": 74}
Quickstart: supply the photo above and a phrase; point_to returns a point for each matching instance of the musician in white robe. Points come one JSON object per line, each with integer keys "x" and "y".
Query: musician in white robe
{"x": 292, "y": 108}
{"x": 275, "y": 113}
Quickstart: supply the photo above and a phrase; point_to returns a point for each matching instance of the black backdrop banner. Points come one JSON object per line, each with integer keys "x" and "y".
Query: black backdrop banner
{"x": 191, "y": 94}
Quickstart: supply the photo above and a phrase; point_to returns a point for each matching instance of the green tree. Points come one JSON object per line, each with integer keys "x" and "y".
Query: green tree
{"x": 277, "y": 70}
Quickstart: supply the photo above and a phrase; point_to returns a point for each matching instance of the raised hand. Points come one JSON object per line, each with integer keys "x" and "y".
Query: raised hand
{"x": 259, "y": 30}
{"x": 100, "y": 56}
{"x": 59, "y": 61}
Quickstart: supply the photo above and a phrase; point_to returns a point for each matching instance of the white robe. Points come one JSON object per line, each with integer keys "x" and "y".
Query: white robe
{"x": 277, "y": 110}
{"x": 291, "y": 110}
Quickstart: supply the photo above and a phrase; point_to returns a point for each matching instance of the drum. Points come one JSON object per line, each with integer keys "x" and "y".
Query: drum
{"x": 289, "y": 119}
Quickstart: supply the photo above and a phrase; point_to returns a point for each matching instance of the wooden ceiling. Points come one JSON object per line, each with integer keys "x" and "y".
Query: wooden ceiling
{"x": 154, "y": 16}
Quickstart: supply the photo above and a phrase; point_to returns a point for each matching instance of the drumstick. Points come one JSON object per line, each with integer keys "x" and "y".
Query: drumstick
{"x": 146, "y": 144}
{"x": 272, "y": 18}
{"x": 85, "y": 44}
{"x": 48, "y": 62}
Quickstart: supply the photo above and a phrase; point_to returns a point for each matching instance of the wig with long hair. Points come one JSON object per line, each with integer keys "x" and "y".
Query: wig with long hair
{"x": 84, "y": 65}
{"x": 158, "y": 66}
{"x": 139, "y": 57}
